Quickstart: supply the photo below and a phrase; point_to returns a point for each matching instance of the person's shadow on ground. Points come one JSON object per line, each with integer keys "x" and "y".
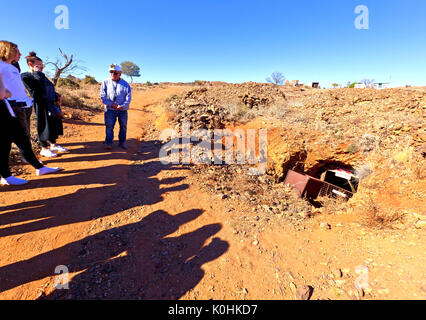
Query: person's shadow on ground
{"x": 142, "y": 189}
{"x": 137, "y": 261}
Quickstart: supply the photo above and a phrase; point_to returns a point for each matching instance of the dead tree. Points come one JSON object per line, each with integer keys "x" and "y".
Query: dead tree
{"x": 276, "y": 78}
{"x": 369, "y": 83}
{"x": 67, "y": 67}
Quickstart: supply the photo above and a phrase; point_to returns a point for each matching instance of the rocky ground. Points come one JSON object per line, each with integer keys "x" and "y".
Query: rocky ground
{"x": 129, "y": 227}
{"x": 377, "y": 134}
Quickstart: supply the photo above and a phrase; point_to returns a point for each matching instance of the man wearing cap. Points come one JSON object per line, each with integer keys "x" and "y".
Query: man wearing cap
{"x": 116, "y": 95}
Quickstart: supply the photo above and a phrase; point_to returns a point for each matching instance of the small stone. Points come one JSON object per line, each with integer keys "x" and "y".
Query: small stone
{"x": 338, "y": 291}
{"x": 255, "y": 243}
{"x": 383, "y": 292}
{"x": 340, "y": 283}
{"x": 420, "y": 224}
{"x": 338, "y": 273}
{"x": 367, "y": 291}
{"x": 325, "y": 226}
{"x": 304, "y": 292}
{"x": 290, "y": 276}
{"x": 359, "y": 294}
{"x": 346, "y": 271}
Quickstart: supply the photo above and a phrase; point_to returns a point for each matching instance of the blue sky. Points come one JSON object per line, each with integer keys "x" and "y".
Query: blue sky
{"x": 230, "y": 40}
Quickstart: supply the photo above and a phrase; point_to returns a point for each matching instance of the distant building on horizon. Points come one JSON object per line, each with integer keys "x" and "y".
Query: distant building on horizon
{"x": 381, "y": 85}
{"x": 377, "y": 85}
{"x": 360, "y": 86}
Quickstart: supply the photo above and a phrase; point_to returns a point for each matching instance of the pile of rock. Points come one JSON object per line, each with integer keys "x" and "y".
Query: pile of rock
{"x": 212, "y": 107}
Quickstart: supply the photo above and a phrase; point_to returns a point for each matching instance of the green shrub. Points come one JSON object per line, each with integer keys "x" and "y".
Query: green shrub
{"x": 69, "y": 100}
{"x": 89, "y": 80}
{"x": 68, "y": 83}
{"x": 72, "y": 78}
{"x": 352, "y": 148}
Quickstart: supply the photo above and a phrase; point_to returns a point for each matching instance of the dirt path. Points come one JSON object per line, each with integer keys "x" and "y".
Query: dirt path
{"x": 128, "y": 227}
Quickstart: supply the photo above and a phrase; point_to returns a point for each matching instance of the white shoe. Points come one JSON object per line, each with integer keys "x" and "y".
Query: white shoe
{"x": 48, "y": 153}
{"x": 13, "y": 181}
{"x": 46, "y": 170}
{"x": 58, "y": 148}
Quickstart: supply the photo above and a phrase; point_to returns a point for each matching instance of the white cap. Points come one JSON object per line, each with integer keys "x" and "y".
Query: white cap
{"x": 115, "y": 67}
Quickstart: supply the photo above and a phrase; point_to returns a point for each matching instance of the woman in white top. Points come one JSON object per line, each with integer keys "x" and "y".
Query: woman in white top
{"x": 11, "y": 130}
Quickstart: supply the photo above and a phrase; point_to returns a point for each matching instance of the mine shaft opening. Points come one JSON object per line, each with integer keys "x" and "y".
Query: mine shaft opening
{"x": 338, "y": 174}
{"x": 327, "y": 179}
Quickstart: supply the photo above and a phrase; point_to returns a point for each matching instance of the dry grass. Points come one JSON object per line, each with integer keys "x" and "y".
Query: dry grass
{"x": 379, "y": 216}
{"x": 86, "y": 97}
{"x": 242, "y": 113}
{"x": 392, "y": 185}
{"x": 332, "y": 205}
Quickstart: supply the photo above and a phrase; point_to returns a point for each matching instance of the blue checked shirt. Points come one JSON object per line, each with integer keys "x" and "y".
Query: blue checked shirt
{"x": 116, "y": 92}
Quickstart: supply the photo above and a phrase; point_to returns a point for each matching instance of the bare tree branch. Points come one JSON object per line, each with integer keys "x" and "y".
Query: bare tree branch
{"x": 368, "y": 82}
{"x": 67, "y": 67}
{"x": 276, "y": 78}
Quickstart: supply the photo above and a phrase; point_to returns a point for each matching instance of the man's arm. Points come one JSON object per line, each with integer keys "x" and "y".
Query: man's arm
{"x": 104, "y": 95}
{"x": 126, "y": 103}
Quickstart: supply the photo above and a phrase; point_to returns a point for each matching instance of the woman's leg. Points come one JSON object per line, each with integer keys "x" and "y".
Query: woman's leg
{"x": 29, "y": 112}
{"x": 43, "y": 143}
{"x": 45, "y": 149}
{"x": 21, "y": 140}
{"x": 19, "y": 137}
{"x": 21, "y": 117}
{"x": 5, "y": 146}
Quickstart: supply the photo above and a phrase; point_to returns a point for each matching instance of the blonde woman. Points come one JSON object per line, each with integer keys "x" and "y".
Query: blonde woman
{"x": 11, "y": 131}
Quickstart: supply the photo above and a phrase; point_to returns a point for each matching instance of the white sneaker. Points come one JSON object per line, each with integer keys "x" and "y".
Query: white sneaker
{"x": 46, "y": 170}
{"x": 13, "y": 181}
{"x": 48, "y": 153}
{"x": 58, "y": 148}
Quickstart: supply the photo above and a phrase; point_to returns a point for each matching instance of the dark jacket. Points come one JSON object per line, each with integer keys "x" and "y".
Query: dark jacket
{"x": 45, "y": 105}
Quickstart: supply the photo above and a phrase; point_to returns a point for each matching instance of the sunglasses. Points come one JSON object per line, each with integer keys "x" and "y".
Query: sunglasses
{"x": 115, "y": 72}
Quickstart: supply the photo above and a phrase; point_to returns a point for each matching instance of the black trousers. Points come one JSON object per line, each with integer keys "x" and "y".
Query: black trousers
{"x": 24, "y": 117}
{"x": 11, "y": 131}
{"x": 56, "y": 129}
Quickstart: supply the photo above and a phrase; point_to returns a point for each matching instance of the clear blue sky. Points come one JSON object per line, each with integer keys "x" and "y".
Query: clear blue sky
{"x": 230, "y": 40}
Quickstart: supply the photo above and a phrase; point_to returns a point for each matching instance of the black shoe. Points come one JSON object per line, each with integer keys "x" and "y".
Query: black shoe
{"x": 123, "y": 146}
{"x": 108, "y": 147}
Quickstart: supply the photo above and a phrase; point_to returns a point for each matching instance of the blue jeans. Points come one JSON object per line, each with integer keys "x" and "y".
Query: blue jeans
{"x": 110, "y": 120}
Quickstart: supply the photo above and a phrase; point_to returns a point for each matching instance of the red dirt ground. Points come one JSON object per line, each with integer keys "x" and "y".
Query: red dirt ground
{"x": 175, "y": 241}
